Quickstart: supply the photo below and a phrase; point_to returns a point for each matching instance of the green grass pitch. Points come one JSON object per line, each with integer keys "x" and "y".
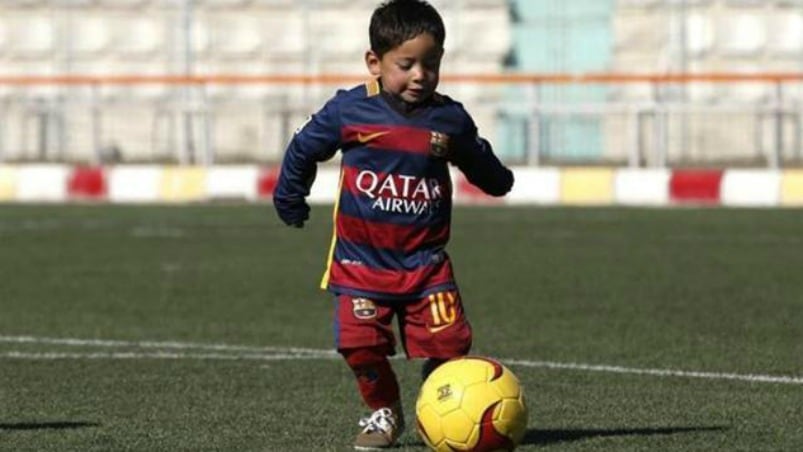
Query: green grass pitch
{"x": 201, "y": 328}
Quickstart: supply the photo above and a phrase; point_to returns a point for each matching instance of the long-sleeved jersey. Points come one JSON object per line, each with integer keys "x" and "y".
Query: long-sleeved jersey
{"x": 393, "y": 208}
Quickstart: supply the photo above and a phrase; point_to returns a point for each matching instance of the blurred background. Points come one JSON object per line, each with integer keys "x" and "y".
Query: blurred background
{"x": 639, "y": 83}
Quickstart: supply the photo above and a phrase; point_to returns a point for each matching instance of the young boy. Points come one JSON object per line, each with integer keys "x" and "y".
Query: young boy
{"x": 393, "y": 210}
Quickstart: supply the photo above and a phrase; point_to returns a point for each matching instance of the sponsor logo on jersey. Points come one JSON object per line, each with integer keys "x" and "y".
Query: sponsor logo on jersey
{"x": 363, "y": 308}
{"x": 400, "y": 193}
{"x": 365, "y": 138}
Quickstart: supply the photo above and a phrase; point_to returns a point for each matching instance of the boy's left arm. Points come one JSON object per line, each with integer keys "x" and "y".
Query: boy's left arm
{"x": 474, "y": 156}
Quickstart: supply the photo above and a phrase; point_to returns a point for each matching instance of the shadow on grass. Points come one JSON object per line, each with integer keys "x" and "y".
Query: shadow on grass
{"x": 544, "y": 436}
{"x": 46, "y": 425}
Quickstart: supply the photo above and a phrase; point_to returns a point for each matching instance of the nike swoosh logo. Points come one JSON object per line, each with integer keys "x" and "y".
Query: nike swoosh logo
{"x": 371, "y": 136}
{"x": 438, "y": 329}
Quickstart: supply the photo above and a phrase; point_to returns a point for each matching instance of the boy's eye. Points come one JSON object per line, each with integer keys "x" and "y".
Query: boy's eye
{"x": 430, "y": 64}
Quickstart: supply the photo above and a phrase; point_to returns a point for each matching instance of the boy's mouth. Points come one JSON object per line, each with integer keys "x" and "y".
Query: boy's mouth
{"x": 416, "y": 92}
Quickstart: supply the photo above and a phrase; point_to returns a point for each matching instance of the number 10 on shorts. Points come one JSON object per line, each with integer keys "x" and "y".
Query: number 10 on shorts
{"x": 442, "y": 306}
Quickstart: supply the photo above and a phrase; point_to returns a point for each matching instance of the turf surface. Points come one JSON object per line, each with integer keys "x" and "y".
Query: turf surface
{"x": 694, "y": 290}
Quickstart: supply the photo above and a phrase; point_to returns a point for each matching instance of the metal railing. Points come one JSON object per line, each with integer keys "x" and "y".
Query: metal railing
{"x": 186, "y": 125}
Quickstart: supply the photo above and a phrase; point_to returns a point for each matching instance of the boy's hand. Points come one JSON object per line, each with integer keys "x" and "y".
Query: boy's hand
{"x": 293, "y": 213}
{"x": 454, "y": 147}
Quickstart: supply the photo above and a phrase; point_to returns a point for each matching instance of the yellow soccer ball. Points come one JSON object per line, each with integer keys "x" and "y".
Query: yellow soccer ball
{"x": 471, "y": 404}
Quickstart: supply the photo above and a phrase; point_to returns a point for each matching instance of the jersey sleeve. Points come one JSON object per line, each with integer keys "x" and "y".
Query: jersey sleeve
{"x": 315, "y": 141}
{"x": 474, "y": 156}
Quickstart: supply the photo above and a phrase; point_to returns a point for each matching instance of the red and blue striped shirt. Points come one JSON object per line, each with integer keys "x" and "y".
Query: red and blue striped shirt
{"x": 393, "y": 210}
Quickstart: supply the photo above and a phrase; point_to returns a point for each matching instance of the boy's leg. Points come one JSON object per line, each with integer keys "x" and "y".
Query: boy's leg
{"x": 429, "y": 365}
{"x": 364, "y": 337}
{"x": 435, "y": 328}
{"x": 376, "y": 380}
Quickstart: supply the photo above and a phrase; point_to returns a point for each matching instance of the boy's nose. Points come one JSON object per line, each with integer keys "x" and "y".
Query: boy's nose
{"x": 417, "y": 73}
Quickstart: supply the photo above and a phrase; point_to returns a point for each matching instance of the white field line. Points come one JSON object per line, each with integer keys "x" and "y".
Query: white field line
{"x": 54, "y": 356}
{"x": 171, "y": 345}
{"x": 752, "y": 378}
{"x": 199, "y": 351}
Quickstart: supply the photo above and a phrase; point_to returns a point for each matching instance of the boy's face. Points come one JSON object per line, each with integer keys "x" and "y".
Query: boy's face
{"x": 411, "y": 70}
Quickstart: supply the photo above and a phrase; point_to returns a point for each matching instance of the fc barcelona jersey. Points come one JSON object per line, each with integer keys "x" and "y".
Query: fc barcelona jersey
{"x": 393, "y": 209}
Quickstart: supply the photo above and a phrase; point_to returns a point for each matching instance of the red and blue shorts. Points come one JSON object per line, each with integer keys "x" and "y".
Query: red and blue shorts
{"x": 432, "y": 327}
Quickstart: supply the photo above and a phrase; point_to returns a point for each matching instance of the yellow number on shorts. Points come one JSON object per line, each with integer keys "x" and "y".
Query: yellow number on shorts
{"x": 442, "y": 307}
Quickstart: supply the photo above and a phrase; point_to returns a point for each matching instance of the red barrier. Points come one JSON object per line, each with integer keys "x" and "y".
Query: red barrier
{"x": 695, "y": 186}
{"x": 87, "y": 182}
{"x": 466, "y": 192}
{"x": 266, "y": 182}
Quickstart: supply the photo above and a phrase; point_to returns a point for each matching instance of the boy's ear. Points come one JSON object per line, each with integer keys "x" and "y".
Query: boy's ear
{"x": 372, "y": 61}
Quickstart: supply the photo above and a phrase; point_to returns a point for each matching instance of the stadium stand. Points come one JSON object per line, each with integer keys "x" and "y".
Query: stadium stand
{"x": 234, "y": 36}
{"x": 90, "y": 36}
{"x": 558, "y": 37}
{"x": 578, "y": 123}
{"x": 32, "y": 36}
{"x": 287, "y": 41}
{"x": 138, "y": 36}
{"x": 636, "y": 32}
{"x": 226, "y": 4}
{"x": 123, "y": 3}
{"x": 275, "y": 3}
{"x": 482, "y": 32}
{"x": 3, "y": 35}
{"x": 699, "y": 35}
{"x": 787, "y": 39}
{"x": 339, "y": 34}
{"x": 104, "y": 38}
{"x": 740, "y": 35}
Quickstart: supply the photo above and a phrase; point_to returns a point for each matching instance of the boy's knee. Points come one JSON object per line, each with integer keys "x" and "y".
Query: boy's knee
{"x": 365, "y": 356}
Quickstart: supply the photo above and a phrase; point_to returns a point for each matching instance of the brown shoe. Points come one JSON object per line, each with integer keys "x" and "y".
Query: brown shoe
{"x": 380, "y": 430}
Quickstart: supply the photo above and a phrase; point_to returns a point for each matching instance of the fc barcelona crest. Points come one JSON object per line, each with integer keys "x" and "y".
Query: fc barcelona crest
{"x": 363, "y": 308}
{"x": 439, "y": 144}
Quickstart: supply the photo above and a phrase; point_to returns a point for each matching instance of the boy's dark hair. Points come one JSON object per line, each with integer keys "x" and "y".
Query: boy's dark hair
{"x": 397, "y": 21}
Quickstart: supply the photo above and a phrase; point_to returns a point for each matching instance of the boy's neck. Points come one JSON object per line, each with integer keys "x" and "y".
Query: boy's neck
{"x": 400, "y": 105}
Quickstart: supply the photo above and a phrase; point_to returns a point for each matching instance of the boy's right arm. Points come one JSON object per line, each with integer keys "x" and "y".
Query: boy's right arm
{"x": 315, "y": 141}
